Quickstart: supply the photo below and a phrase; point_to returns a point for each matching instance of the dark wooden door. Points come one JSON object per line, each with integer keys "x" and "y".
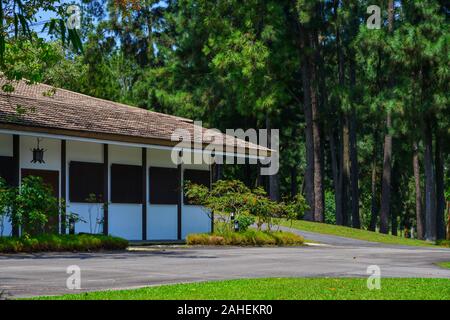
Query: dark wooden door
{"x": 51, "y": 179}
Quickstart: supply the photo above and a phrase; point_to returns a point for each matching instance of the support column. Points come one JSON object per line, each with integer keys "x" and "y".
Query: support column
{"x": 144, "y": 193}
{"x": 211, "y": 180}
{"x": 63, "y": 186}
{"x": 105, "y": 188}
{"x": 180, "y": 198}
{"x": 16, "y": 179}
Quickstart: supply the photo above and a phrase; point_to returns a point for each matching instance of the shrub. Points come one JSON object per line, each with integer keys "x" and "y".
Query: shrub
{"x": 53, "y": 242}
{"x": 443, "y": 243}
{"x": 6, "y": 203}
{"x": 330, "y": 208}
{"x": 245, "y": 221}
{"x": 246, "y": 238}
{"x": 226, "y": 197}
{"x": 35, "y": 204}
{"x": 287, "y": 238}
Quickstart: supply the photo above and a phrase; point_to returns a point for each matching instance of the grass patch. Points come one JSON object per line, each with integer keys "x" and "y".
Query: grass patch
{"x": 444, "y": 264}
{"x": 280, "y": 289}
{"x": 352, "y": 233}
{"x": 53, "y": 242}
{"x": 249, "y": 237}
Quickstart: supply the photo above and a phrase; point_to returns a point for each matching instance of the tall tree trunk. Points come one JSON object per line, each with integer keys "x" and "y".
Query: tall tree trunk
{"x": 419, "y": 214}
{"x": 354, "y": 168}
{"x": 336, "y": 180}
{"x": 387, "y": 172}
{"x": 274, "y": 186}
{"x": 373, "y": 187}
{"x": 430, "y": 184}
{"x": 319, "y": 203}
{"x": 440, "y": 196}
{"x": 309, "y": 173}
{"x": 345, "y": 169}
{"x": 396, "y": 204}
{"x": 294, "y": 186}
{"x": 387, "y": 157}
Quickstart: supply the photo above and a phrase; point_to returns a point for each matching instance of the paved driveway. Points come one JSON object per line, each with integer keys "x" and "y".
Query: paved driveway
{"x": 45, "y": 274}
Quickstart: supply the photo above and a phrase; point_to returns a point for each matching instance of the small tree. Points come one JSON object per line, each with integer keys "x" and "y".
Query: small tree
{"x": 95, "y": 222}
{"x": 34, "y": 205}
{"x": 295, "y": 208}
{"x": 224, "y": 198}
{"x": 248, "y": 205}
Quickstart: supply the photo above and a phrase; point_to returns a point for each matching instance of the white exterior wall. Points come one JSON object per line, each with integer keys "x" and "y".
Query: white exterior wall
{"x": 89, "y": 212}
{"x": 195, "y": 219}
{"x": 124, "y": 220}
{"x": 162, "y": 220}
{"x": 52, "y": 154}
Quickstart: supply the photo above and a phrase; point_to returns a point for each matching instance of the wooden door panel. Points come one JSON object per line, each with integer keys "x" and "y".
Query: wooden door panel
{"x": 51, "y": 179}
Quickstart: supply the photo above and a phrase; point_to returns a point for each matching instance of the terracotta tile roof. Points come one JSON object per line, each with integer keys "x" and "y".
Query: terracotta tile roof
{"x": 43, "y": 106}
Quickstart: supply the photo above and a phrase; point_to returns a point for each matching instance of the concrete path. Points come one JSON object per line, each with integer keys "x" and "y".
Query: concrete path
{"x": 330, "y": 239}
{"x": 45, "y": 274}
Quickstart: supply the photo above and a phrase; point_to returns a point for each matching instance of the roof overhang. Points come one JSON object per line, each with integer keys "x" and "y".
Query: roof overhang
{"x": 131, "y": 141}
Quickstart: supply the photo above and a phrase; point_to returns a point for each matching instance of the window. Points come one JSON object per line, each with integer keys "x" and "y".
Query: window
{"x": 126, "y": 184}
{"x": 86, "y": 179}
{"x": 200, "y": 177}
{"x": 7, "y": 169}
{"x": 164, "y": 185}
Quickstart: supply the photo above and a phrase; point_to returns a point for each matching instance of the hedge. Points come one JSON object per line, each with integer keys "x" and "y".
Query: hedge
{"x": 53, "y": 242}
{"x": 246, "y": 238}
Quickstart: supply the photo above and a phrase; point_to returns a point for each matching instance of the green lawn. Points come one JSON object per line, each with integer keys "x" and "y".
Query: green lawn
{"x": 283, "y": 289}
{"x": 444, "y": 264}
{"x": 353, "y": 233}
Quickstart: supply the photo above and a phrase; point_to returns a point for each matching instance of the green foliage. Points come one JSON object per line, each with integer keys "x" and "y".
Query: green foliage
{"x": 237, "y": 64}
{"x": 246, "y": 238}
{"x": 53, "y": 242}
{"x": 17, "y": 38}
{"x": 6, "y": 203}
{"x": 444, "y": 243}
{"x": 244, "y": 221}
{"x": 34, "y": 205}
{"x": 31, "y": 205}
{"x": 296, "y": 208}
{"x": 232, "y": 196}
{"x": 330, "y": 208}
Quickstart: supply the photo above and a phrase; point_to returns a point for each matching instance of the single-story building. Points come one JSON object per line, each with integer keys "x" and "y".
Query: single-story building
{"x": 93, "y": 151}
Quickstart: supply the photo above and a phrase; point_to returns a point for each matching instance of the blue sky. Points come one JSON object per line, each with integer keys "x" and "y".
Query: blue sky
{"x": 43, "y": 16}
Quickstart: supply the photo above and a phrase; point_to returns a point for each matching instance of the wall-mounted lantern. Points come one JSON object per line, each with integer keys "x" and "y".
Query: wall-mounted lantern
{"x": 236, "y": 225}
{"x": 234, "y": 222}
{"x": 38, "y": 153}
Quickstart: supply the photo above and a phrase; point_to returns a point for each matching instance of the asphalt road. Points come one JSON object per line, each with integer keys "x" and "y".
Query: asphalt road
{"x": 45, "y": 274}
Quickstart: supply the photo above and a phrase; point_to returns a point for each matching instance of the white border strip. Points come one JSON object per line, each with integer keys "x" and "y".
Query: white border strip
{"x": 125, "y": 144}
